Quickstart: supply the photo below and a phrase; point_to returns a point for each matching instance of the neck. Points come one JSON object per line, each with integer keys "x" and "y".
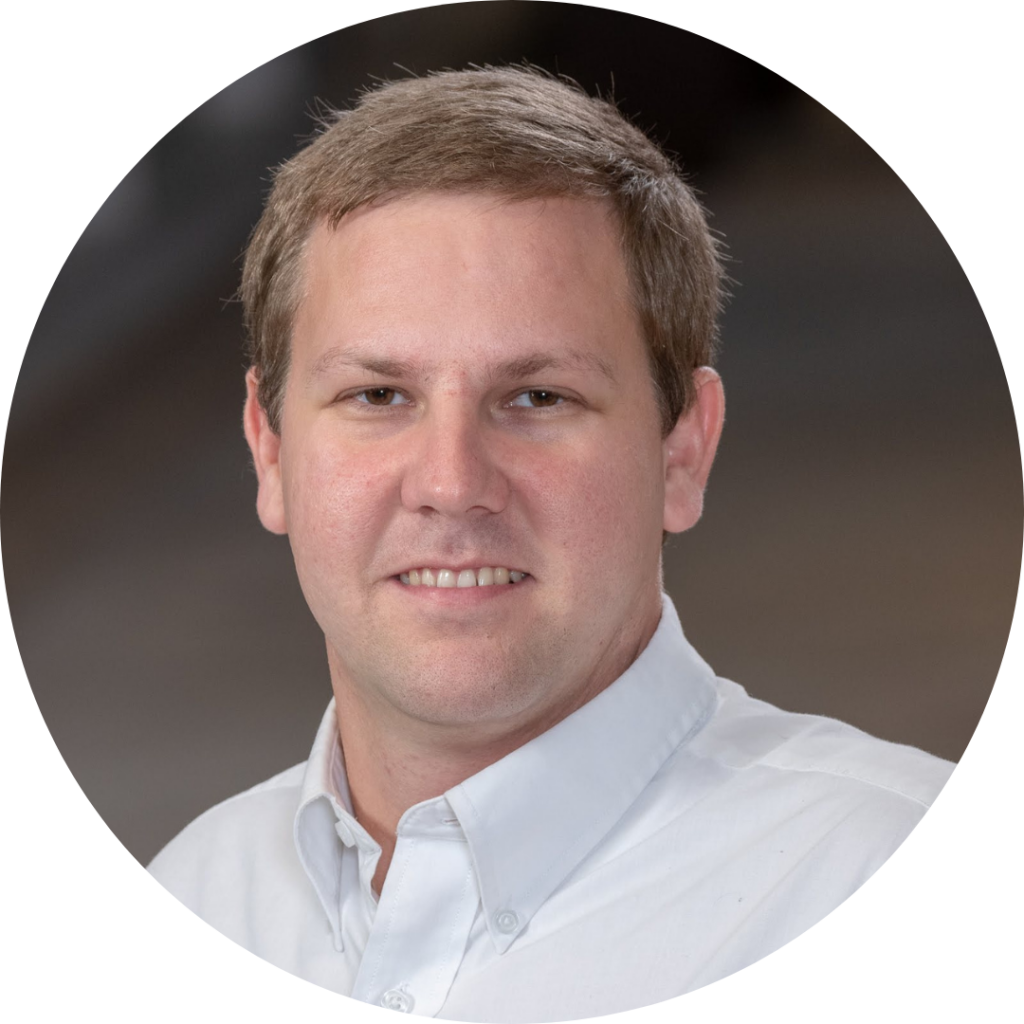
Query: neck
{"x": 391, "y": 769}
{"x": 394, "y": 760}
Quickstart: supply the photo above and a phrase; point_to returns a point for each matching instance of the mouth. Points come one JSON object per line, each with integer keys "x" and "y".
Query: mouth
{"x": 485, "y": 576}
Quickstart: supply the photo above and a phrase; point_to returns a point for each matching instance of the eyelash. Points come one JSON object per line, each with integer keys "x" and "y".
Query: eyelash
{"x": 359, "y": 399}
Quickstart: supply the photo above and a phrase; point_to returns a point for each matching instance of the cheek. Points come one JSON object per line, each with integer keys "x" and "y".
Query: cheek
{"x": 600, "y": 506}
{"x": 335, "y": 502}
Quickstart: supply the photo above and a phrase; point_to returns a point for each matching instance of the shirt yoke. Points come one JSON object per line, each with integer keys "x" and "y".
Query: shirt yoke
{"x": 747, "y": 733}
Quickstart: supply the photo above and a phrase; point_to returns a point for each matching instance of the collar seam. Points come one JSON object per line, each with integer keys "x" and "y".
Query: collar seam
{"x": 333, "y": 914}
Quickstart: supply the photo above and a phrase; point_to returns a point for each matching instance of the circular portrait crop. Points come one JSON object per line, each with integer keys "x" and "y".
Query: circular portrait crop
{"x": 512, "y": 512}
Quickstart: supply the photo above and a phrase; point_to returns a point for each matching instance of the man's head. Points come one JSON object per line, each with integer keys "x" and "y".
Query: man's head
{"x": 466, "y": 383}
{"x": 510, "y": 132}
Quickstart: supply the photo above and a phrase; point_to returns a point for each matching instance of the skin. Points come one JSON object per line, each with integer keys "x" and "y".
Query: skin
{"x": 469, "y": 387}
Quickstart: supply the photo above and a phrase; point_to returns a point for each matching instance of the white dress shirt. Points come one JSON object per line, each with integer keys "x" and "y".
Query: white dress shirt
{"x": 669, "y": 832}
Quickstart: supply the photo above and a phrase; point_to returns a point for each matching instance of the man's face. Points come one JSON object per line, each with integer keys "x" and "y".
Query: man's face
{"x": 469, "y": 389}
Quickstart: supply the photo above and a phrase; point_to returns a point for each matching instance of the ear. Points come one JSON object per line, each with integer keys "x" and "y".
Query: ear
{"x": 689, "y": 451}
{"x": 265, "y": 446}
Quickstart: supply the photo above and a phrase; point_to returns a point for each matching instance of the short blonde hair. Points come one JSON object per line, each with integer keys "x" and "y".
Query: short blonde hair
{"x": 515, "y": 132}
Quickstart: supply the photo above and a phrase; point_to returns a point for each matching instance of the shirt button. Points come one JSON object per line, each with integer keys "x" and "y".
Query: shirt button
{"x": 395, "y": 999}
{"x": 507, "y": 921}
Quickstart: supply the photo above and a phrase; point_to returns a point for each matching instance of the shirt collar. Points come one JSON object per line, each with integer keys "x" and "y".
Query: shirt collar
{"x": 323, "y": 818}
{"x": 533, "y": 816}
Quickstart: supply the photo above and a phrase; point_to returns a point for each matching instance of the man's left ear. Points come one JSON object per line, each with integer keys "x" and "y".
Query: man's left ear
{"x": 690, "y": 449}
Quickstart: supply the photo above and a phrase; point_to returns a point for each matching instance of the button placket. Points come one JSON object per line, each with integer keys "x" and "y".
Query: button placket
{"x": 422, "y": 921}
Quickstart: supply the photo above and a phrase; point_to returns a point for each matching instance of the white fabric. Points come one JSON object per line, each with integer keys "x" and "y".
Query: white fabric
{"x": 668, "y": 833}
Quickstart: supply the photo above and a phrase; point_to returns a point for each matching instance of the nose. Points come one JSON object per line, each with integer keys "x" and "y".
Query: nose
{"x": 452, "y": 466}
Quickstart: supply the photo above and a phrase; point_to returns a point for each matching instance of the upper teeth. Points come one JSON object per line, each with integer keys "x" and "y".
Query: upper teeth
{"x": 483, "y": 577}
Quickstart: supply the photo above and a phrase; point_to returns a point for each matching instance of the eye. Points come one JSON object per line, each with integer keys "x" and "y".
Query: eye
{"x": 537, "y": 398}
{"x": 380, "y": 397}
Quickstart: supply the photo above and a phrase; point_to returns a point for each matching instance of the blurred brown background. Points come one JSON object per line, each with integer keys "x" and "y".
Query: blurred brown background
{"x": 861, "y": 546}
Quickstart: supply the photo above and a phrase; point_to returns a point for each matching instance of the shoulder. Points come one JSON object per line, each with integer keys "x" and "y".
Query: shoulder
{"x": 256, "y": 823}
{"x": 800, "y": 806}
{"x": 750, "y": 736}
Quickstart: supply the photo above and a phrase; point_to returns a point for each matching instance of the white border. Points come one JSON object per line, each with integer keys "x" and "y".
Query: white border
{"x": 88, "y": 88}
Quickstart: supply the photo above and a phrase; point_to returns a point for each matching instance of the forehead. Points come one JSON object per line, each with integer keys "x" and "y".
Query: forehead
{"x": 444, "y": 276}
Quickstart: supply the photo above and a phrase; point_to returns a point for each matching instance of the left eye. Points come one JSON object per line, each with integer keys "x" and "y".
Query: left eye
{"x": 537, "y": 398}
{"x": 380, "y": 396}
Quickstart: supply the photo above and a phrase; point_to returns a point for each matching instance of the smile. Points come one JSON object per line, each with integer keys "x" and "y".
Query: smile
{"x": 483, "y": 577}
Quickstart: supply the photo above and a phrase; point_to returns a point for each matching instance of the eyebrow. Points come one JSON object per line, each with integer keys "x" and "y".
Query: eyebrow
{"x": 537, "y": 362}
{"x": 334, "y": 358}
{"x": 528, "y": 365}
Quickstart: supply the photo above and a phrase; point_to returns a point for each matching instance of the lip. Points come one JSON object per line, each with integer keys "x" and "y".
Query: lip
{"x": 462, "y": 596}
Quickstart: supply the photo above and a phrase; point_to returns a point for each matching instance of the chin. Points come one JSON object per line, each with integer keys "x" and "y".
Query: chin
{"x": 470, "y": 695}
{"x": 451, "y": 681}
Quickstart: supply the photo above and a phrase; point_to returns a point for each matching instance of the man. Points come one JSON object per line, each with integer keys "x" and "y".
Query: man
{"x": 482, "y": 310}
